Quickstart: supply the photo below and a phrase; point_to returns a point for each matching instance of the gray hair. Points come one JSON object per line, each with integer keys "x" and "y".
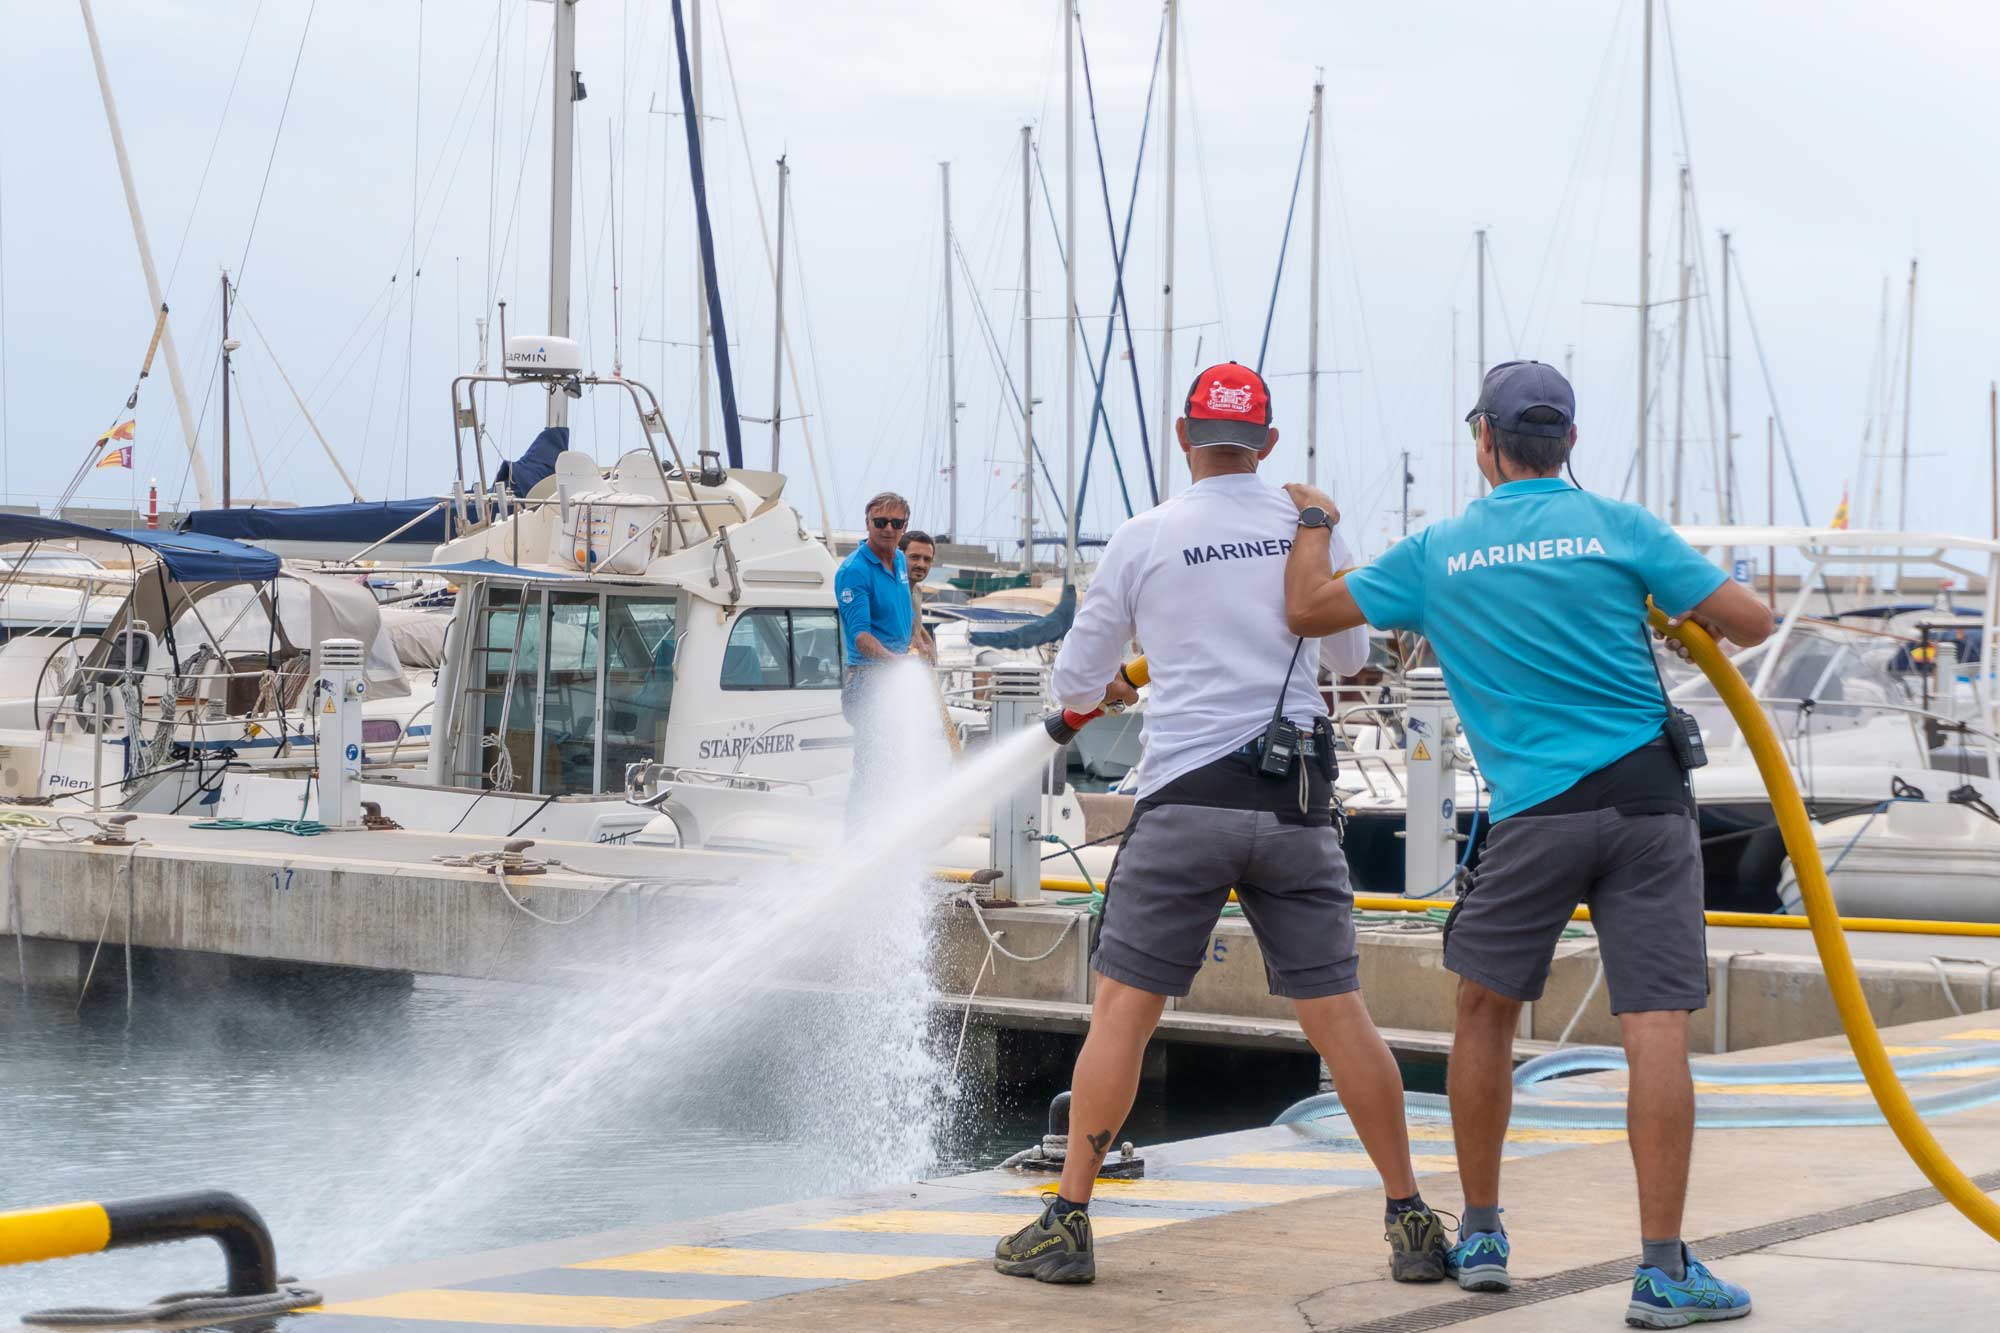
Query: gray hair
{"x": 886, "y": 500}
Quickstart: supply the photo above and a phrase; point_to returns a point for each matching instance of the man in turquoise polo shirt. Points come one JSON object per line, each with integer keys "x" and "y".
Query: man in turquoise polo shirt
{"x": 872, "y": 590}
{"x": 1534, "y": 600}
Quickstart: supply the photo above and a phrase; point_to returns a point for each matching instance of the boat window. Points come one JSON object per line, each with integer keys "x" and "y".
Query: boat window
{"x": 569, "y": 695}
{"x": 639, "y": 650}
{"x": 775, "y": 649}
{"x": 816, "y": 650}
{"x": 758, "y": 655}
{"x": 507, "y": 666}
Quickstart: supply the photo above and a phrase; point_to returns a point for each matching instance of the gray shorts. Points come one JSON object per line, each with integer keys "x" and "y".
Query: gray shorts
{"x": 1640, "y": 875}
{"x": 1172, "y": 879}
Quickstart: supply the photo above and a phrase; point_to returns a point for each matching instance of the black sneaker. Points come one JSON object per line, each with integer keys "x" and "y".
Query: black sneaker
{"x": 1050, "y": 1248}
{"x": 1418, "y": 1246}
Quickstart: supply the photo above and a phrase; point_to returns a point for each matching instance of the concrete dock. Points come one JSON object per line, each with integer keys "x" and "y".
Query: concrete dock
{"x": 1830, "y": 1228}
{"x": 388, "y": 900}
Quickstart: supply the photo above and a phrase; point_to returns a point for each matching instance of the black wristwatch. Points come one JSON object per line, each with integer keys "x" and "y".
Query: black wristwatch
{"x": 1313, "y": 516}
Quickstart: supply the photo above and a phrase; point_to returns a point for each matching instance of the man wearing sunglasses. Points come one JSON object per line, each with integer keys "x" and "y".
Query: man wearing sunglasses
{"x": 872, "y": 590}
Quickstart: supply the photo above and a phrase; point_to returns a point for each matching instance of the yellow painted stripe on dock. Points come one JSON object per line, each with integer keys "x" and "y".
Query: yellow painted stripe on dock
{"x": 1785, "y": 1089}
{"x": 1300, "y": 1159}
{"x": 722, "y": 1262}
{"x": 1976, "y": 1034}
{"x": 923, "y": 1222}
{"x": 1441, "y": 1133}
{"x": 1193, "y": 1191}
{"x": 527, "y": 1307}
{"x": 1915, "y": 1050}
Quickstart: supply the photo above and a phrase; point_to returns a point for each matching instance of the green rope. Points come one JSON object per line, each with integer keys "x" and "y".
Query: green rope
{"x": 1081, "y": 867}
{"x": 301, "y": 828}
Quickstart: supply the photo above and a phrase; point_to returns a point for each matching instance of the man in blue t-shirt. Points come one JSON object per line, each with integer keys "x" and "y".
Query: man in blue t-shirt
{"x": 872, "y": 590}
{"x": 1534, "y": 600}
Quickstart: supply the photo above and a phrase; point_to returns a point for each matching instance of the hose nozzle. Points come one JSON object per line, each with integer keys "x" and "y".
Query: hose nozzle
{"x": 1063, "y": 725}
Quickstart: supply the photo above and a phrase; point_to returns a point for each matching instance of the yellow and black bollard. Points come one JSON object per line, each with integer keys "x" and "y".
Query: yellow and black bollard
{"x": 253, "y": 1286}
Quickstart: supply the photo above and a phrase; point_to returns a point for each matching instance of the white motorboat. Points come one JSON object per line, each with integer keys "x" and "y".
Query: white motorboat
{"x": 1928, "y": 860}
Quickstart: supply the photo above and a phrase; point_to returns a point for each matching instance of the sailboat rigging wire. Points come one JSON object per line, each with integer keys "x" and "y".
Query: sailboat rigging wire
{"x": 1006, "y": 375}
{"x": 416, "y": 263}
{"x": 791, "y": 361}
{"x": 277, "y": 135}
{"x": 1570, "y": 193}
{"x": 265, "y": 343}
{"x": 1770, "y": 390}
{"x": 1121, "y": 248}
{"x": 220, "y": 122}
{"x": 732, "y": 425}
{"x": 1284, "y": 241}
{"x": 1220, "y": 288}
{"x": 1096, "y": 370}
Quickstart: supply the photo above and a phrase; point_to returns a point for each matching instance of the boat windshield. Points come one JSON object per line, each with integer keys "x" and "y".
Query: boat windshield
{"x": 1827, "y": 681}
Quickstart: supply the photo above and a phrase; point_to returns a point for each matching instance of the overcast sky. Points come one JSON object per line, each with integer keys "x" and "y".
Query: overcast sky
{"x": 1836, "y": 142}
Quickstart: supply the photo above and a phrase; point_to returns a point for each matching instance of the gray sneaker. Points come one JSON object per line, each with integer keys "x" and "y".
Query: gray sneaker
{"x": 1050, "y": 1248}
{"x": 1417, "y": 1246}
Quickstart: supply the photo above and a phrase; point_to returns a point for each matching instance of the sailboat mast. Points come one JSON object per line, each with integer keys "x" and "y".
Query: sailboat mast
{"x": 156, "y": 301}
{"x": 1027, "y": 352}
{"x": 225, "y": 388}
{"x": 1645, "y": 226}
{"x": 1312, "y": 322}
{"x": 1480, "y": 336}
{"x": 1451, "y": 431}
{"x": 701, "y": 259}
{"x": 1909, "y": 365}
{"x": 1166, "y": 433}
{"x": 562, "y": 144}
{"x": 1681, "y": 356}
{"x": 778, "y": 333}
{"x": 950, "y": 366}
{"x": 1070, "y": 331}
{"x": 1728, "y": 401}
{"x": 1479, "y": 238}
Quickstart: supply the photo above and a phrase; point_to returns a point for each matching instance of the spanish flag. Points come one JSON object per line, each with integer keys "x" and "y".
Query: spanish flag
{"x": 1839, "y": 523}
{"x": 122, "y": 431}
{"x": 120, "y": 457}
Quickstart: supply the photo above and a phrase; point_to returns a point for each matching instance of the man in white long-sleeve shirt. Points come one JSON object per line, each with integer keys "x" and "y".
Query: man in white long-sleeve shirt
{"x": 1235, "y": 791}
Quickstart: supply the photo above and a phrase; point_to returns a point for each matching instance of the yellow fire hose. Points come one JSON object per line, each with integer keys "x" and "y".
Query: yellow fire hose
{"x": 1824, "y": 917}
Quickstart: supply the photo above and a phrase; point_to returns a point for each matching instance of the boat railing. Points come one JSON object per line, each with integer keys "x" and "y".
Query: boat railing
{"x": 650, "y": 782}
{"x": 158, "y": 710}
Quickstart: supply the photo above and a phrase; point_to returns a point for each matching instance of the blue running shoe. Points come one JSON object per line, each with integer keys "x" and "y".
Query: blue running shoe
{"x": 1479, "y": 1261}
{"x": 1699, "y": 1298}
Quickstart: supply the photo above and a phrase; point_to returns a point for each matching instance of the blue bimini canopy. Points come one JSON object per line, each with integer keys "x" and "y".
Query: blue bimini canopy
{"x": 360, "y": 523}
{"x": 189, "y": 557}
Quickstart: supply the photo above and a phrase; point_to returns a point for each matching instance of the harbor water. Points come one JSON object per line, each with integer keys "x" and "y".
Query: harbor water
{"x": 776, "y": 1038}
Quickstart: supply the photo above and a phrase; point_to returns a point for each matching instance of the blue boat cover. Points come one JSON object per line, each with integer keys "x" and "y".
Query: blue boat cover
{"x": 189, "y": 557}
{"x": 360, "y": 522}
{"x": 1036, "y": 632}
{"x": 522, "y": 474}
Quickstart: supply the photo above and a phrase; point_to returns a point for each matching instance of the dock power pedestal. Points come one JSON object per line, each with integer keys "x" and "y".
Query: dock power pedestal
{"x": 1430, "y": 822}
{"x": 343, "y": 686}
{"x": 1016, "y": 839}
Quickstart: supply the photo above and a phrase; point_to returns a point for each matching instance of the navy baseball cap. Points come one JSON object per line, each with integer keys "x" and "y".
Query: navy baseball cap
{"x": 1512, "y": 387}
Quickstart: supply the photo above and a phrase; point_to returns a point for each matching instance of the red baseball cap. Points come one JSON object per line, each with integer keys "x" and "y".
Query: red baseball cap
{"x": 1229, "y": 404}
